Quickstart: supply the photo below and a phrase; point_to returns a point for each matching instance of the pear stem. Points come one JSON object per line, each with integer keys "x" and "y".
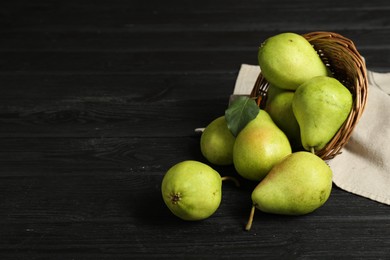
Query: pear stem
{"x": 312, "y": 150}
{"x": 231, "y": 178}
{"x": 259, "y": 98}
{"x": 250, "y": 220}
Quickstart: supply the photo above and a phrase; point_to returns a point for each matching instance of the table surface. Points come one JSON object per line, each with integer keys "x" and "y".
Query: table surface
{"x": 100, "y": 98}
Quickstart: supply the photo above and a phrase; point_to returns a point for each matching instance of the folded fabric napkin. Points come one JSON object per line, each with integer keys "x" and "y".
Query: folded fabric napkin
{"x": 363, "y": 167}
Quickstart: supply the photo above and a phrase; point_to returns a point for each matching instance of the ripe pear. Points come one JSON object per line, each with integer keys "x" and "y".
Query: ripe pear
{"x": 279, "y": 107}
{"x": 321, "y": 105}
{"x": 258, "y": 147}
{"x": 298, "y": 185}
{"x": 192, "y": 190}
{"x": 288, "y": 59}
{"x": 216, "y": 142}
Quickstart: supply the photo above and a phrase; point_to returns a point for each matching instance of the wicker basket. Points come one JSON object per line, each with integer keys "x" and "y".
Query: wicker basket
{"x": 346, "y": 65}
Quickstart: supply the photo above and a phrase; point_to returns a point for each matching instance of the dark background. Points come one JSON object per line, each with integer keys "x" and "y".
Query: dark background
{"x": 99, "y": 98}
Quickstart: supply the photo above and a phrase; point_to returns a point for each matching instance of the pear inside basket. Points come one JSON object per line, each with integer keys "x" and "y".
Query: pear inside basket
{"x": 345, "y": 63}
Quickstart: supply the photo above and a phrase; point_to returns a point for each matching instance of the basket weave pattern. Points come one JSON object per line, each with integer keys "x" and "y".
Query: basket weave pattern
{"x": 340, "y": 55}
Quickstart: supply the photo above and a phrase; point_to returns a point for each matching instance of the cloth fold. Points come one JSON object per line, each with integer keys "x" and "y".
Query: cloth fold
{"x": 363, "y": 167}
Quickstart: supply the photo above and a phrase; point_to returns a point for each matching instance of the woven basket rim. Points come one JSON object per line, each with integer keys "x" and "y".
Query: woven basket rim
{"x": 340, "y": 54}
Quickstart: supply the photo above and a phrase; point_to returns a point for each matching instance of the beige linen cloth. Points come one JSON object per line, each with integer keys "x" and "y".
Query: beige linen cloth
{"x": 363, "y": 167}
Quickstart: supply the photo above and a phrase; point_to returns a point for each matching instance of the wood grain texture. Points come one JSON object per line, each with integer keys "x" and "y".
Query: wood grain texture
{"x": 99, "y": 99}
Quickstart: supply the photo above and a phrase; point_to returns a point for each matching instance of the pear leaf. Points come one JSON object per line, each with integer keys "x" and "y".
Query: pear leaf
{"x": 240, "y": 112}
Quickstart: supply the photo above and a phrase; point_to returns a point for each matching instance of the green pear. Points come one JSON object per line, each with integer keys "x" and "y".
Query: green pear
{"x": 298, "y": 185}
{"x": 258, "y": 147}
{"x": 287, "y": 60}
{"x": 192, "y": 190}
{"x": 279, "y": 107}
{"x": 216, "y": 142}
{"x": 321, "y": 105}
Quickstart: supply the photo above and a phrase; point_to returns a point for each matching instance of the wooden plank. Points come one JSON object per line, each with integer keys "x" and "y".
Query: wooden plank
{"x": 110, "y": 62}
{"x": 58, "y": 155}
{"x": 21, "y": 63}
{"x": 100, "y": 117}
{"x": 202, "y": 15}
{"x": 34, "y": 88}
{"x": 128, "y": 41}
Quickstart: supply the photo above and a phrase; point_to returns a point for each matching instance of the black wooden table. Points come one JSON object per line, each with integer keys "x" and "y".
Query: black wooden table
{"x": 99, "y": 98}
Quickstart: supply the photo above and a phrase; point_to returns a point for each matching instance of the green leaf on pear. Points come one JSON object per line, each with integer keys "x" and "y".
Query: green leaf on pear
{"x": 240, "y": 112}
